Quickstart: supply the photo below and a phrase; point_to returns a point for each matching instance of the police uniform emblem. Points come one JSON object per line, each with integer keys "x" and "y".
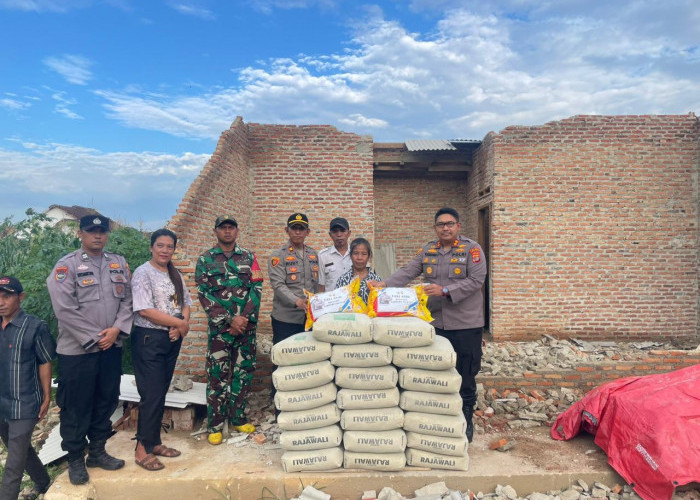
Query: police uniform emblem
{"x": 119, "y": 289}
{"x": 476, "y": 255}
{"x": 96, "y": 220}
{"x": 457, "y": 270}
{"x": 60, "y": 274}
{"x": 292, "y": 269}
{"x": 298, "y": 217}
{"x": 293, "y": 277}
{"x": 312, "y": 257}
{"x": 275, "y": 261}
{"x": 114, "y": 265}
{"x": 82, "y": 267}
{"x": 428, "y": 269}
{"x": 88, "y": 281}
{"x": 290, "y": 258}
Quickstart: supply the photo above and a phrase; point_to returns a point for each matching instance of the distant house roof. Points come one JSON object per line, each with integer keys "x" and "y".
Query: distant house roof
{"x": 76, "y": 211}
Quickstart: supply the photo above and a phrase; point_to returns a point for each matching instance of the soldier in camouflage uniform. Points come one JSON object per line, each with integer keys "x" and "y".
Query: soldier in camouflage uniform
{"x": 229, "y": 285}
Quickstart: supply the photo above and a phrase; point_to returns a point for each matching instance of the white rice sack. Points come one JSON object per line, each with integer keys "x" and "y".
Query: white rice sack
{"x": 374, "y": 461}
{"x": 343, "y": 328}
{"x": 438, "y": 444}
{"x": 432, "y": 424}
{"x": 328, "y": 459}
{"x": 312, "y": 439}
{"x": 420, "y": 458}
{"x": 392, "y": 441}
{"x": 357, "y": 399}
{"x": 380, "y": 377}
{"x": 309, "y": 419}
{"x": 361, "y": 355}
{"x": 431, "y": 402}
{"x": 416, "y": 379}
{"x": 293, "y": 378}
{"x": 305, "y": 399}
{"x": 403, "y": 331}
{"x": 299, "y": 349}
{"x": 439, "y": 356}
{"x": 376, "y": 419}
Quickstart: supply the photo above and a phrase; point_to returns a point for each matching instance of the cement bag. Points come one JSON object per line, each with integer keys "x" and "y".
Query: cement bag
{"x": 361, "y": 355}
{"x": 432, "y": 424}
{"x": 357, "y": 399}
{"x": 438, "y": 444}
{"x": 305, "y": 399}
{"x": 409, "y": 301}
{"x": 312, "y": 439}
{"x": 443, "y": 381}
{"x": 420, "y": 458}
{"x": 374, "y": 461}
{"x": 328, "y": 459}
{"x": 309, "y": 419}
{"x": 380, "y": 377}
{"x": 430, "y": 402}
{"x": 343, "y": 328}
{"x": 299, "y": 349}
{"x": 293, "y": 378}
{"x": 376, "y": 419}
{"x": 439, "y": 356}
{"x": 392, "y": 441}
{"x": 403, "y": 332}
{"x": 343, "y": 299}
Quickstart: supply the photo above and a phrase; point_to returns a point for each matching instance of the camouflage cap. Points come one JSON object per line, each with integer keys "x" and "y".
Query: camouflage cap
{"x": 225, "y": 218}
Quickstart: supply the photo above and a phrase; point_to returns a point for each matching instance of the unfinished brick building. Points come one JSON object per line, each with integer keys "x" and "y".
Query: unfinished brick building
{"x": 590, "y": 224}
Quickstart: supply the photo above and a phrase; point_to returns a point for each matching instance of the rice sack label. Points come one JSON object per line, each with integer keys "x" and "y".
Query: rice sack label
{"x": 374, "y": 461}
{"x": 305, "y": 399}
{"x": 402, "y": 332}
{"x": 434, "y": 425}
{"x": 380, "y": 377}
{"x": 343, "y": 328}
{"x": 314, "y": 418}
{"x": 442, "y": 445}
{"x": 438, "y": 356}
{"x": 300, "y": 348}
{"x": 357, "y": 399}
{"x": 442, "y": 381}
{"x": 420, "y": 458}
{"x": 361, "y": 355}
{"x": 312, "y": 439}
{"x": 393, "y": 441}
{"x": 431, "y": 402}
{"x": 343, "y": 299}
{"x": 293, "y": 378}
{"x": 327, "y": 459}
{"x": 395, "y": 301}
{"x": 378, "y": 419}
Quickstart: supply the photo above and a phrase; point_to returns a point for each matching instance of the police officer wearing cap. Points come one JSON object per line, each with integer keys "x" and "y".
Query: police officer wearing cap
{"x": 91, "y": 296}
{"x": 292, "y": 268}
{"x": 455, "y": 269}
{"x": 334, "y": 260}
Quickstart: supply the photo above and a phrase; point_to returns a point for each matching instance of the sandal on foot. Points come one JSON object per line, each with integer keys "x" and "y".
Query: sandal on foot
{"x": 150, "y": 462}
{"x": 163, "y": 451}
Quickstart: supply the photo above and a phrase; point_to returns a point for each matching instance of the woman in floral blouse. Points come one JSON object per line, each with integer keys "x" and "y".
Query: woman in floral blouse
{"x": 360, "y": 254}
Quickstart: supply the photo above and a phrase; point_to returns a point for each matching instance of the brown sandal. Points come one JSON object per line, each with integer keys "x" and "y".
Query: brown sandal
{"x": 163, "y": 451}
{"x": 150, "y": 462}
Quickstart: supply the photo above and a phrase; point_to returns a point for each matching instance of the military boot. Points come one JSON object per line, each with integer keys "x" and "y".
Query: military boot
{"x": 77, "y": 473}
{"x": 98, "y": 457}
{"x": 468, "y": 413}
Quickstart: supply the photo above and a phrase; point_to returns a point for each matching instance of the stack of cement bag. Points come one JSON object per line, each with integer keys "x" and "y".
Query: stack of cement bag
{"x": 368, "y": 395}
{"x": 434, "y": 423}
{"x": 305, "y": 397}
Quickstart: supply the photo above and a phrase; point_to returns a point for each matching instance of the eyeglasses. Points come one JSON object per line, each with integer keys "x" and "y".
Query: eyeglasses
{"x": 448, "y": 225}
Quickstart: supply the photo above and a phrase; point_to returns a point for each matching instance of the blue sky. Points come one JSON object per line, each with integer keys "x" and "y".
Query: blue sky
{"x": 117, "y": 104}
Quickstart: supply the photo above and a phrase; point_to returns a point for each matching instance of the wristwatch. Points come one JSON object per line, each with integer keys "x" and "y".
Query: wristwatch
{"x": 445, "y": 291}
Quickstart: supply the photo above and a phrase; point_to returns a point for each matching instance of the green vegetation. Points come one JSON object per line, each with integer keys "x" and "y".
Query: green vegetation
{"x": 30, "y": 248}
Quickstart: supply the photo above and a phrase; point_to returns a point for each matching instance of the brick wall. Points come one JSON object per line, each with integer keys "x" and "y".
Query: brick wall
{"x": 595, "y": 228}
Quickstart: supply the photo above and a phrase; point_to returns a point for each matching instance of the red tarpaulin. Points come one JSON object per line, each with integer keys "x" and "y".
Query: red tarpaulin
{"x": 648, "y": 426}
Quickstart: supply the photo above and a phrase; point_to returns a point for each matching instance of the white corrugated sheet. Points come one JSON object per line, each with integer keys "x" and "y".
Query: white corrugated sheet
{"x": 430, "y": 145}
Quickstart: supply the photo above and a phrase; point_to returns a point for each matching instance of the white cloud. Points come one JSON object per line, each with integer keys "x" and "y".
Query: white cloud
{"x": 75, "y": 69}
{"x": 62, "y": 106}
{"x": 13, "y": 104}
{"x": 269, "y": 6}
{"x": 357, "y": 120}
{"x": 42, "y": 5}
{"x": 192, "y": 10}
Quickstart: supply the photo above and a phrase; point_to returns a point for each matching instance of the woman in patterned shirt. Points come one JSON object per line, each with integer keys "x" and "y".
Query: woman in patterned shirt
{"x": 360, "y": 254}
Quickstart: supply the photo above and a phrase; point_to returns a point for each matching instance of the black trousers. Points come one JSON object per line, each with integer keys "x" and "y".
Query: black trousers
{"x": 17, "y": 436}
{"x": 282, "y": 330}
{"x": 154, "y": 358}
{"x": 88, "y": 394}
{"x": 467, "y": 345}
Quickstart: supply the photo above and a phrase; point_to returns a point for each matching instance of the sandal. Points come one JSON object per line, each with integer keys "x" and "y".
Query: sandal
{"x": 150, "y": 462}
{"x": 163, "y": 451}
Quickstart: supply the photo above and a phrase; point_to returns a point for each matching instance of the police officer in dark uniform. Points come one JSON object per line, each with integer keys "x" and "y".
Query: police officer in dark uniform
{"x": 91, "y": 295}
{"x": 292, "y": 268}
{"x": 455, "y": 268}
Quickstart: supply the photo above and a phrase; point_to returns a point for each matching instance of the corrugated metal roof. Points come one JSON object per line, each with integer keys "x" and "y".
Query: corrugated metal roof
{"x": 430, "y": 145}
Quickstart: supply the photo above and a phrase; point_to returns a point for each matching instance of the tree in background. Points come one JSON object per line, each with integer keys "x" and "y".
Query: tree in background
{"x": 30, "y": 248}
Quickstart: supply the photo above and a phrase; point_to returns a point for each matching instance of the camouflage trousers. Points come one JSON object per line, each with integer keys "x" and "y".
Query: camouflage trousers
{"x": 230, "y": 367}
